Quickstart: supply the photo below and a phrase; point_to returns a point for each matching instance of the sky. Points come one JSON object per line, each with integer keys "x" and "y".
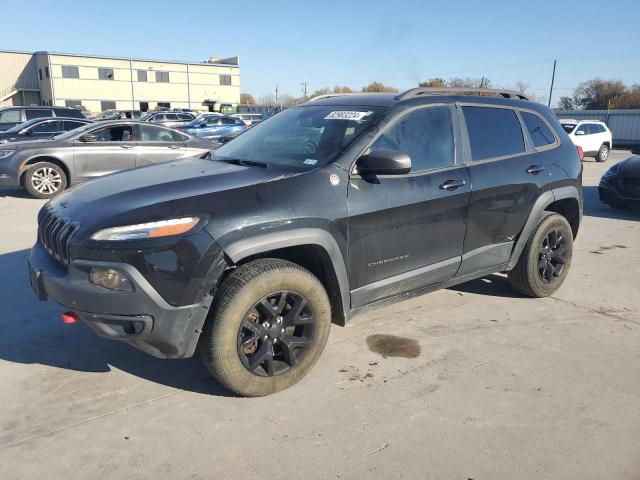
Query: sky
{"x": 353, "y": 43}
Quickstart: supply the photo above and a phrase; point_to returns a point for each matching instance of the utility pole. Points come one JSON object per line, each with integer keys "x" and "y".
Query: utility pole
{"x": 553, "y": 77}
{"x": 304, "y": 89}
{"x": 276, "y": 94}
{"x": 482, "y": 82}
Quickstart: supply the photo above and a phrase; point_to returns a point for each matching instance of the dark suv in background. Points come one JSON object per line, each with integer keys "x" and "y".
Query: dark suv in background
{"x": 12, "y": 116}
{"x": 252, "y": 253}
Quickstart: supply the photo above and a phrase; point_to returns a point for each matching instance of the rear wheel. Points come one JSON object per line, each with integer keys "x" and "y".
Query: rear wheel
{"x": 45, "y": 180}
{"x": 269, "y": 327}
{"x": 603, "y": 153}
{"x": 544, "y": 263}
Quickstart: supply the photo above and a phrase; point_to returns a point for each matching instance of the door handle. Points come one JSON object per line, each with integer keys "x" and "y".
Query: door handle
{"x": 127, "y": 146}
{"x": 174, "y": 147}
{"x": 535, "y": 169}
{"x": 452, "y": 184}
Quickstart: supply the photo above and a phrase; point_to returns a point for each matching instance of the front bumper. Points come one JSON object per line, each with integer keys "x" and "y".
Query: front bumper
{"x": 610, "y": 195}
{"x": 140, "y": 317}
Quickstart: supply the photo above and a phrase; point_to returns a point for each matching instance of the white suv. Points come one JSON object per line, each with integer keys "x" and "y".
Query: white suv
{"x": 593, "y": 136}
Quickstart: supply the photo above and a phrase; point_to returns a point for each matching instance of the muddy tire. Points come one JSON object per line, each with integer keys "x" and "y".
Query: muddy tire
{"x": 269, "y": 325}
{"x": 545, "y": 261}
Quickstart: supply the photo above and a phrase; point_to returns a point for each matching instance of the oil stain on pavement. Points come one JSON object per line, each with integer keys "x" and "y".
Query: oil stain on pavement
{"x": 392, "y": 346}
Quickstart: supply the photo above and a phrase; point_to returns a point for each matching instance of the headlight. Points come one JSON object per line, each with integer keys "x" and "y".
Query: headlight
{"x": 6, "y": 153}
{"x": 613, "y": 171}
{"x": 163, "y": 228}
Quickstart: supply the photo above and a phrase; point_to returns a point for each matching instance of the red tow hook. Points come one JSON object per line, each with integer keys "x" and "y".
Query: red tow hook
{"x": 70, "y": 317}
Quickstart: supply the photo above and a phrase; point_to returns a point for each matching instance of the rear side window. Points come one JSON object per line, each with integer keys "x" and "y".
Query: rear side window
{"x": 493, "y": 132}
{"x": 10, "y": 116}
{"x": 426, "y": 135}
{"x": 69, "y": 112}
{"x": 37, "y": 113}
{"x": 47, "y": 127}
{"x": 538, "y": 130}
{"x": 150, "y": 133}
{"x": 185, "y": 116}
{"x": 70, "y": 125}
{"x": 171, "y": 116}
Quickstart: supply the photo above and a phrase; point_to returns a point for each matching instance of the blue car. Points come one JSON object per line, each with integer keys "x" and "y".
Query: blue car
{"x": 212, "y": 128}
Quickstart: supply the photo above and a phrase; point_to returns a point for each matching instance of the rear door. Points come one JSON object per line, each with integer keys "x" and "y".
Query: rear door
{"x": 507, "y": 175}
{"x": 157, "y": 144}
{"x": 407, "y": 231}
{"x": 112, "y": 149}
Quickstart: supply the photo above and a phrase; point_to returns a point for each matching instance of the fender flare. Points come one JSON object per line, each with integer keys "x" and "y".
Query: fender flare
{"x": 241, "y": 249}
{"x": 543, "y": 201}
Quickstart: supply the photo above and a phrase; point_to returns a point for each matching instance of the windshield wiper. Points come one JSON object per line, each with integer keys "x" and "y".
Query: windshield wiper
{"x": 244, "y": 163}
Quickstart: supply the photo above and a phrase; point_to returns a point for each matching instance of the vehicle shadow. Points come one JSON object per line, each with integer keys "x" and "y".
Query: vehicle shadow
{"x": 16, "y": 192}
{"x": 492, "y": 285}
{"x": 593, "y": 207}
{"x": 31, "y": 333}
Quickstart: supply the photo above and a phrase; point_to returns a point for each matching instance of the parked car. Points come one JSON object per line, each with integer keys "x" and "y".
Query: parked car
{"x": 248, "y": 118}
{"x": 250, "y": 254}
{"x": 213, "y": 128}
{"x": 592, "y": 136}
{"x": 46, "y": 168}
{"x": 620, "y": 185}
{"x": 119, "y": 115}
{"x": 47, "y": 127}
{"x": 169, "y": 119}
{"x": 12, "y": 116}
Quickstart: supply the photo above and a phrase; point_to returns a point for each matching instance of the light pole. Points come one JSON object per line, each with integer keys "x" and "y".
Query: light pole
{"x": 553, "y": 77}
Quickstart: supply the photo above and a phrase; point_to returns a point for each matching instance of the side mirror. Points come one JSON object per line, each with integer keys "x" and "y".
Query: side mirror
{"x": 384, "y": 162}
{"x": 88, "y": 138}
{"x": 635, "y": 150}
{"x": 580, "y": 132}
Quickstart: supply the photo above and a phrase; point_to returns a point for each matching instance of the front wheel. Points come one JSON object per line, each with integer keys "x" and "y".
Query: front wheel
{"x": 544, "y": 263}
{"x": 45, "y": 180}
{"x": 603, "y": 153}
{"x": 269, "y": 326}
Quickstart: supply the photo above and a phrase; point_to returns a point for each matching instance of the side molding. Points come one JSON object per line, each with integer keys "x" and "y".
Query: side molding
{"x": 292, "y": 238}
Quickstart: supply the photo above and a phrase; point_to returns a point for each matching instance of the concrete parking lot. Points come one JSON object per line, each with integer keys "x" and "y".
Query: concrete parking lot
{"x": 497, "y": 387}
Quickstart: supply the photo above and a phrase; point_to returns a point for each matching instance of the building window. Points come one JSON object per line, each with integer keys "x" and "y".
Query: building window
{"x": 162, "y": 77}
{"x": 142, "y": 75}
{"x": 105, "y": 73}
{"x": 225, "y": 79}
{"x": 107, "y": 105}
{"x": 40, "y": 74}
{"x": 144, "y": 106}
{"x": 46, "y": 71}
{"x": 73, "y": 104}
{"x": 70, "y": 72}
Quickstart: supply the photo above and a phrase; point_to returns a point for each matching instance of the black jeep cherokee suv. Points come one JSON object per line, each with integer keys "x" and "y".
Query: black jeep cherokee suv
{"x": 324, "y": 209}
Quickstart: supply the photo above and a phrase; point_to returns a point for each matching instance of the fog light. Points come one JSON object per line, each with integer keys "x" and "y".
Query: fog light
{"x": 110, "y": 278}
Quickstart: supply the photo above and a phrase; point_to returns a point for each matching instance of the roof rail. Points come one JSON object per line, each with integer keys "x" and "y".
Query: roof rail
{"x": 329, "y": 95}
{"x": 416, "y": 92}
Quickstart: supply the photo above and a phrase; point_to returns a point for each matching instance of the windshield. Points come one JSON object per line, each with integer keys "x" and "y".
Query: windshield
{"x": 568, "y": 127}
{"x": 301, "y": 137}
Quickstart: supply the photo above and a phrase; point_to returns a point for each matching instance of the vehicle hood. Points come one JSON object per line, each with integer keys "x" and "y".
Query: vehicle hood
{"x": 158, "y": 191}
{"x": 32, "y": 143}
{"x": 631, "y": 167}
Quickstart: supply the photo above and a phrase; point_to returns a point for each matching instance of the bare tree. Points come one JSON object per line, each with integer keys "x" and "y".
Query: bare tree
{"x": 376, "y": 87}
{"x": 565, "y": 103}
{"x": 597, "y": 94}
{"x": 247, "y": 99}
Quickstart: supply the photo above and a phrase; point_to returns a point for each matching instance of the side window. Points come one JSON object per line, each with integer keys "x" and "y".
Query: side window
{"x": 213, "y": 121}
{"x": 33, "y": 113}
{"x": 587, "y": 128}
{"x": 149, "y": 133}
{"x": 493, "y": 132}
{"x": 119, "y": 133}
{"x": 10, "y": 116}
{"x": 185, "y": 116}
{"x": 229, "y": 121}
{"x": 47, "y": 127}
{"x": 70, "y": 125}
{"x": 426, "y": 135}
{"x": 105, "y": 73}
{"x": 157, "y": 118}
{"x": 538, "y": 130}
{"x": 171, "y": 117}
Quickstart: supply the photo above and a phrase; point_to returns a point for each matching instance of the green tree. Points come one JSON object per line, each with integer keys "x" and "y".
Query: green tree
{"x": 597, "y": 94}
{"x": 339, "y": 89}
{"x": 433, "y": 82}
{"x": 565, "y": 103}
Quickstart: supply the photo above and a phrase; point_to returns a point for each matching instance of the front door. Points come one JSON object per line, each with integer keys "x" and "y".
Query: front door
{"x": 104, "y": 150}
{"x": 157, "y": 145}
{"x": 407, "y": 231}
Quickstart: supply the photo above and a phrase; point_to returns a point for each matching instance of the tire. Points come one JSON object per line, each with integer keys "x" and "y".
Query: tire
{"x": 542, "y": 269}
{"x": 603, "y": 153}
{"x": 45, "y": 180}
{"x": 235, "y": 337}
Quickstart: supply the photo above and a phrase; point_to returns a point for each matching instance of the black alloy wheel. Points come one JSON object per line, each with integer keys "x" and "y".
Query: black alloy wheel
{"x": 275, "y": 334}
{"x": 551, "y": 258}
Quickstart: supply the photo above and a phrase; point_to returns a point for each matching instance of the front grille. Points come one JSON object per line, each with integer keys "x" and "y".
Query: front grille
{"x": 55, "y": 233}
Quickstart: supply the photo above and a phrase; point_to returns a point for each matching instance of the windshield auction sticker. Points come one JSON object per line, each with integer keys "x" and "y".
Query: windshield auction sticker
{"x": 347, "y": 115}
